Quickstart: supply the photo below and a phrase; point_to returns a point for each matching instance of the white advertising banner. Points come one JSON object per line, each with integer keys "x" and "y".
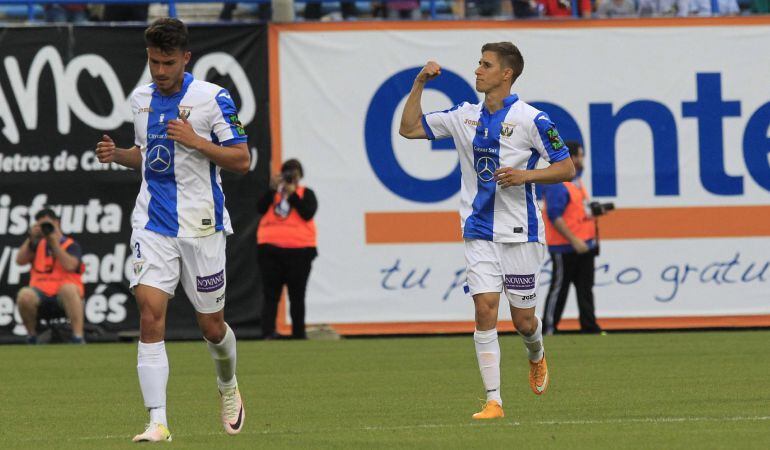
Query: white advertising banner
{"x": 675, "y": 124}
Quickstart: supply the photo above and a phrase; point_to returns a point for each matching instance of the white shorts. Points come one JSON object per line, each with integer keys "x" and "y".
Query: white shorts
{"x": 497, "y": 267}
{"x": 161, "y": 261}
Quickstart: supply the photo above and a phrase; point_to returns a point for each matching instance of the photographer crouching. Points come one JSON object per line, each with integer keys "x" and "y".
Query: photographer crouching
{"x": 572, "y": 234}
{"x": 286, "y": 246}
{"x": 55, "y": 286}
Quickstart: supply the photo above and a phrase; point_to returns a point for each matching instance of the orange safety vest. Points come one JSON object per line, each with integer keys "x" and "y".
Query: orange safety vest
{"x": 575, "y": 217}
{"x": 291, "y": 231}
{"x": 47, "y": 273}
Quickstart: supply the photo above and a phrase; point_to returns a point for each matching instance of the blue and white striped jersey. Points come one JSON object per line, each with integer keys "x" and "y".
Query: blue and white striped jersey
{"x": 515, "y": 136}
{"x": 181, "y": 193}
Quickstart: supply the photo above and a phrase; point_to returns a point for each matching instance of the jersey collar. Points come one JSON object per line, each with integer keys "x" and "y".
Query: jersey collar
{"x": 507, "y": 101}
{"x": 188, "y": 78}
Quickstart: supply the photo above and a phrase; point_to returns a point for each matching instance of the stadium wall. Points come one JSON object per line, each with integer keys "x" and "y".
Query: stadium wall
{"x": 674, "y": 115}
{"x": 61, "y": 88}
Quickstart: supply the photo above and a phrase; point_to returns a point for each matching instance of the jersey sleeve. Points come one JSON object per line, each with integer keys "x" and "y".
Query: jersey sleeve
{"x": 440, "y": 124}
{"x": 545, "y": 138}
{"x": 556, "y": 199}
{"x": 138, "y": 138}
{"x": 225, "y": 125}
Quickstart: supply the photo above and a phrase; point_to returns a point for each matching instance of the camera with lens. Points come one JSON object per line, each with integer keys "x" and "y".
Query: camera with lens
{"x": 600, "y": 209}
{"x": 289, "y": 176}
{"x": 46, "y": 228}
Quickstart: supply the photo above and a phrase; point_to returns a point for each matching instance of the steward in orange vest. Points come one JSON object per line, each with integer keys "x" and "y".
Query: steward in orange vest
{"x": 570, "y": 232}
{"x": 286, "y": 245}
{"x": 56, "y": 270}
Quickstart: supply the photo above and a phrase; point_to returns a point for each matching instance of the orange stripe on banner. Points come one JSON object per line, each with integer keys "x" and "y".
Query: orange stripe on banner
{"x": 641, "y": 323}
{"x": 624, "y": 223}
{"x": 274, "y": 81}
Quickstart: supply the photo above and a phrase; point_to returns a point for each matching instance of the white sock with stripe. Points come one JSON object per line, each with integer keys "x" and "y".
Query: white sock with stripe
{"x": 152, "y": 367}
{"x": 488, "y": 355}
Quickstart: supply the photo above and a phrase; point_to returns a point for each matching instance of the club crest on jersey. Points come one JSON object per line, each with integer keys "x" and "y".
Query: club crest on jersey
{"x": 184, "y": 112}
{"x": 507, "y": 130}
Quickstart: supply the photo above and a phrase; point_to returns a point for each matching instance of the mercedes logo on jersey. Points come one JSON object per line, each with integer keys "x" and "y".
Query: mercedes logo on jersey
{"x": 485, "y": 168}
{"x": 158, "y": 159}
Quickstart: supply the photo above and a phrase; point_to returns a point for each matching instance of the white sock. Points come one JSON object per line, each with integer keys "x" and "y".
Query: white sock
{"x": 534, "y": 342}
{"x": 152, "y": 366}
{"x": 488, "y": 355}
{"x": 224, "y": 357}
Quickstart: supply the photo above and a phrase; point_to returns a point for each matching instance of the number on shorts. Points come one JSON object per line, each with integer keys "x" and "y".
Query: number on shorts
{"x": 138, "y": 250}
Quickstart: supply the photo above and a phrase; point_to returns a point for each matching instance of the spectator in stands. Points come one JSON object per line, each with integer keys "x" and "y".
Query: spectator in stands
{"x": 313, "y": 10}
{"x": 403, "y": 9}
{"x": 525, "y": 9}
{"x": 55, "y": 287}
{"x": 562, "y": 8}
{"x": 571, "y": 233}
{"x": 75, "y": 13}
{"x": 264, "y": 11}
{"x": 616, "y": 8}
{"x": 120, "y": 12}
{"x": 658, "y": 8}
{"x": 703, "y": 8}
{"x": 286, "y": 245}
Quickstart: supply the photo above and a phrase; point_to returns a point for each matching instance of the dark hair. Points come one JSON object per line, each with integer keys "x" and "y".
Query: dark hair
{"x": 167, "y": 34}
{"x": 509, "y": 54}
{"x": 46, "y": 212}
{"x": 573, "y": 147}
{"x": 292, "y": 165}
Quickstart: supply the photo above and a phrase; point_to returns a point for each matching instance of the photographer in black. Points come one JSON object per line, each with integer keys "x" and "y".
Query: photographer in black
{"x": 286, "y": 246}
{"x": 572, "y": 235}
{"x": 55, "y": 286}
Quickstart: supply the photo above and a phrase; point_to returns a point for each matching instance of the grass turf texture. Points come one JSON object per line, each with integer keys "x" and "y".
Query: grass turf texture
{"x": 673, "y": 390}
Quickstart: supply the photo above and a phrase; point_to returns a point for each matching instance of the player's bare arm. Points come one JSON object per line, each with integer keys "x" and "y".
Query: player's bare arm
{"x": 107, "y": 153}
{"x": 411, "y": 118}
{"x": 234, "y": 158}
{"x": 557, "y": 172}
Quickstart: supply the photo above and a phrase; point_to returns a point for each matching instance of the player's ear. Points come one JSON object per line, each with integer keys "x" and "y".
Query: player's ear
{"x": 187, "y": 56}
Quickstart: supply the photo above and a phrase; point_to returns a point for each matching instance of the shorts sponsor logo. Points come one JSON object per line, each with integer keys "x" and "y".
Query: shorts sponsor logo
{"x": 520, "y": 282}
{"x": 221, "y": 298}
{"x": 210, "y": 283}
{"x": 527, "y": 298}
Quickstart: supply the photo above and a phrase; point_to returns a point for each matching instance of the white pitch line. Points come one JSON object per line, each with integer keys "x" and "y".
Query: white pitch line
{"x": 653, "y": 420}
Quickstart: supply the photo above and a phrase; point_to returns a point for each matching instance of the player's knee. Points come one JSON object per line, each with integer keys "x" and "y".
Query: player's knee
{"x": 525, "y": 323}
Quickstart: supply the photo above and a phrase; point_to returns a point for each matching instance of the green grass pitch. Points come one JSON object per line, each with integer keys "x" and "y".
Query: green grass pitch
{"x": 664, "y": 390}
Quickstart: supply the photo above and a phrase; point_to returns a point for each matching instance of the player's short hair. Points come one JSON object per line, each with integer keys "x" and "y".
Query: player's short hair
{"x": 573, "y": 147}
{"x": 509, "y": 54}
{"x": 293, "y": 165}
{"x": 46, "y": 212}
{"x": 167, "y": 34}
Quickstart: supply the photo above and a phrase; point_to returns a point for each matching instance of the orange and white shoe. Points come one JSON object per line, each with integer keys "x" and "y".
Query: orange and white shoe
{"x": 538, "y": 376}
{"x": 491, "y": 410}
{"x": 155, "y": 432}
{"x": 233, "y": 413}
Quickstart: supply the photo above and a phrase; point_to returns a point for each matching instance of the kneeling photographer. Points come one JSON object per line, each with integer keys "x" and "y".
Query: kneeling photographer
{"x": 572, "y": 234}
{"x": 55, "y": 286}
{"x": 286, "y": 246}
